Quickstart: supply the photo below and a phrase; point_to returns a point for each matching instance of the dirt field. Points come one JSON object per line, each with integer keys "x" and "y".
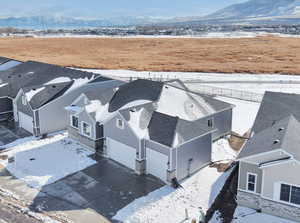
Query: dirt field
{"x": 251, "y": 55}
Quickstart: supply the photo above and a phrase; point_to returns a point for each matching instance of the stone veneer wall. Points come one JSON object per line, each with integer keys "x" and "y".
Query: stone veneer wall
{"x": 268, "y": 206}
{"x": 248, "y": 199}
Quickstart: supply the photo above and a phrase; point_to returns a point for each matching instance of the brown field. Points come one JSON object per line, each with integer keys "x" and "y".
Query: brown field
{"x": 246, "y": 55}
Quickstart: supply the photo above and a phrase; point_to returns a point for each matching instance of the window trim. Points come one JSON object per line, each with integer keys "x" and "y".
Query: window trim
{"x": 76, "y": 116}
{"x": 290, "y": 195}
{"x": 117, "y": 123}
{"x": 82, "y": 129}
{"x": 255, "y": 182}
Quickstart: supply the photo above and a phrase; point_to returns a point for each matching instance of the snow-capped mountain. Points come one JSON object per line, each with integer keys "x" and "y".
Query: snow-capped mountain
{"x": 258, "y": 9}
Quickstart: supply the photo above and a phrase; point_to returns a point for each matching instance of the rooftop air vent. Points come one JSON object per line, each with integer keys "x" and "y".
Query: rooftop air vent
{"x": 280, "y": 129}
{"x": 133, "y": 110}
{"x": 276, "y": 141}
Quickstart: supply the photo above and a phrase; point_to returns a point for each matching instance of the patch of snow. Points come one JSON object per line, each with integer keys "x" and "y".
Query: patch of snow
{"x": 186, "y": 106}
{"x": 247, "y": 215}
{"x": 168, "y": 205}
{"x": 30, "y": 94}
{"x": 59, "y": 80}
{"x": 216, "y": 218}
{"x": 135, "y": 122}
{"x": 221, "y": 151}
{"x": 79, "y": 82}
{"x": 74, "y": 108}
{"x": 4, "y": 84}
{"x": 41, "y": 162}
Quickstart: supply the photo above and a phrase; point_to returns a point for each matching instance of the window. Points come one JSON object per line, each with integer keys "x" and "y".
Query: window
{"x": 86, "y": 129}
{"x": 24, "y": 101}
{"x": 251, "y": 182}
{"x": 210, "y": 123}
{"x": 290, "y": 194}
{"x": 120, "y": 123}
{"x": 74, "y": 121}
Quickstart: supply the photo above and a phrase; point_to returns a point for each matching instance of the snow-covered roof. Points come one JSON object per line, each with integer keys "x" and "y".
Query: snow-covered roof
{"x": 33, "y": 73}
{"x": 158, "y": 111}
{"x": 38, "y": 96}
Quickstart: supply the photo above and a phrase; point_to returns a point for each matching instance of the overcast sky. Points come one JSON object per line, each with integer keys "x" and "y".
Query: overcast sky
{"x": 112, "y": 8}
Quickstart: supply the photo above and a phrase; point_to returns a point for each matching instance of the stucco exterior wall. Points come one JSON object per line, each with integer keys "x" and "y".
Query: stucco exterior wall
{"x": 193, "y": 155}
{"x": 286, "y": 172}
{"x": 245, "y": 168}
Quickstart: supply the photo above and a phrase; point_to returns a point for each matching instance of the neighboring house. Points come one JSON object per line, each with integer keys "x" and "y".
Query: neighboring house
{"x": 6, "y": 63}
{"x": 151, "y": 127}
{"x": 35, "y": 94}
{"x": 269, "y": 163}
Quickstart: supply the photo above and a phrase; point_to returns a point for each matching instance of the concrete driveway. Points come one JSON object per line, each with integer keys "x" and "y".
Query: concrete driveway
{"x": 104, "y": 188}
{"x": 9, "y": 132}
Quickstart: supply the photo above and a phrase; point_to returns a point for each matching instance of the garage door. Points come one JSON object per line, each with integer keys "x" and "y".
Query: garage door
{"x": 26, "y": 122}
{"x": 157, "y": 164}
{"x": 121, "y": 153}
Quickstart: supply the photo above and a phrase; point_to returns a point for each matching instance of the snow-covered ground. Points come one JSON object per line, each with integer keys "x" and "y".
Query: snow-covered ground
{"x": 256, "y": 86}
{"x": 236, "y": 34}
{"x": 41, "y": 162}
{"x": 168, "y": 205}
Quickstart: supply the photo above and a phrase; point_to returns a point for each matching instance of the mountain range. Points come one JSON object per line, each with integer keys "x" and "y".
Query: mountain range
{"x": 252, "y": 11}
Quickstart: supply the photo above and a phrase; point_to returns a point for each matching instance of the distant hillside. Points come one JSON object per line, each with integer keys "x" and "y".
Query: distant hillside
{"x": 258, "y": 9}
{"x": 46, "y": 22}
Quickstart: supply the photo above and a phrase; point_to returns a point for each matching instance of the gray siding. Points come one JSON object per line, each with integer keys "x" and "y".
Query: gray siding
{"x": 55, "y": 110}
{"x": 193, "y": 155}
{"x": 5, "y": 105}
{"x": 157, "y": 147}
{"x": 249, "y": 168}
{"x": 126, "y": 135}
{"x": 222, "y": 122}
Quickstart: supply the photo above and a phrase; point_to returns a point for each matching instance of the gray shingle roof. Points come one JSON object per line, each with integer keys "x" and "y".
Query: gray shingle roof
{"x": 275, "y": 106}
{"x": 283, "y": 134}
{"x": 49, "y": 93}
{"x": 136, "y": 90}
{"x": 188, "y": 130}
{"x": 4, "y": 60}
{"x": 162, "y": 128}
{"x": 35, "y": 73}
{"x": 217, "y": 105}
